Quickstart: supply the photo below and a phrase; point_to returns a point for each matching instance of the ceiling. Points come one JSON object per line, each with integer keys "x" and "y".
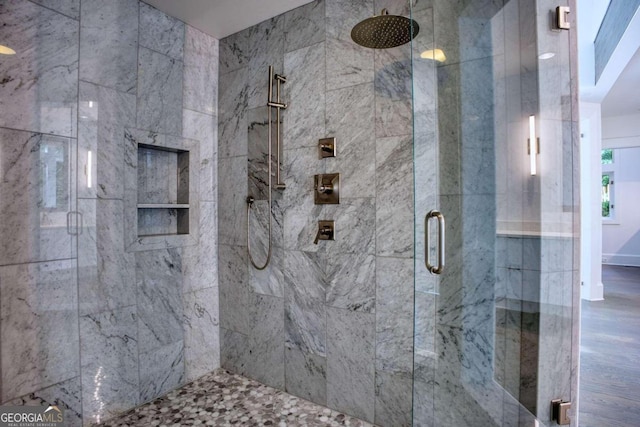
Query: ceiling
{"x": 622, "y": 99}
{"x": 615, "y": 89}
{"x": 220, "y": 18}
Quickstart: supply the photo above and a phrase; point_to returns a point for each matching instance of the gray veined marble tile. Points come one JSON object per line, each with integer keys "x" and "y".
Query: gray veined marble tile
{"x": 305, "y": 95}
{"x": 270, "y": 280}
{"x": 232, "y": 113}
{"x": 305, "y": 294}
{"x": 394, "y": 315}
{"x": 36, "y": 193}
{"x": 201, "y": 53}
{"x": 39, "y": 86}
{"x": 351, "y": 281}
{"x": 424, "y": 100}
{"x": 234, "y": 288}
{"x": 463, "y": 373}
{"x": 70, "y": 8}
{"x": 396, "y": 7}
{"x": 234, "y": 350}
{"x": 39, "y": 326}
{"x": 301, "y": 225}
{"x": 161, "y": 370}
{"x": 306, "y": 375}
{"x": 161, "y": 32}
{"x": 351, "y": 119}
{"x": 393, "y": 399}
{"x": 105, "y": 270}
{"x": 159, "y": 298}
{"x": 478, "y": 111}
{"x": 232, "y": 201}
{"x": 200, "y": 262}
{"x": 394, "y": 201}
{"x": 266, "y": 341}
{"x": 298, "y": 167}
{"x": 393, "y": 83}
{"x": 109, "y": 43}
{"x": 201, "y": 332}
{"x": 425, "y": 177}
{"x": 347, "y": 63}
{"x": 467, "y": 292}
{"x": 259, "y": 227}
{"x": 304, "y": 26}
{"x": 233, "y": 52}
{"x": 449, "y": 125}
{"x": 204, "y": 129}
{"x": 423, "y": 390}
{"x": 351, "y": 362}
{"x": 159, "y": 93}
{"x": 104, "y": 115}
{"x": 265, "y": 47}
{"x": 355, "y": 221}
{"x": 472, "y": 37}
{"x": 66, "y": 395}
{"x": 109, "y": 352}
{"x": 258, "y": 152}
{"x": 425, "y": 318}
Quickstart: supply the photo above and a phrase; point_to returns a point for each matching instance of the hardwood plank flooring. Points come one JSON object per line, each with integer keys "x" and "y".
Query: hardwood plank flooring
{"x": 610, "y": 352}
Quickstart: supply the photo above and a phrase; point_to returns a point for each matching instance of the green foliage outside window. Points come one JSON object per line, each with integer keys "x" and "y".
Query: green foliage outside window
{"x": 606, "y": 179}
{"x": 607, "y": 156}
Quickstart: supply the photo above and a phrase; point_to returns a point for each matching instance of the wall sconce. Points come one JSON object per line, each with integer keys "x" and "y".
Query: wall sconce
{"x": 535, "y": 150}
{"x": 89, "y": 175}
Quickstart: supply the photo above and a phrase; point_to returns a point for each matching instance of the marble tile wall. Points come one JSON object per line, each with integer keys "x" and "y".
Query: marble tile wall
{"x": 141, "y": 323}
{"x": 340, "y": 329}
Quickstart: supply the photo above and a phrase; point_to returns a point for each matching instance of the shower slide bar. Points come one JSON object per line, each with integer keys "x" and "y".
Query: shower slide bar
{"x": 278, "y": 105}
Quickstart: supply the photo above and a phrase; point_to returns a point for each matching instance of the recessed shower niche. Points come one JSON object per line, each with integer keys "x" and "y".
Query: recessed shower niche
{"x": 161, "y": 191}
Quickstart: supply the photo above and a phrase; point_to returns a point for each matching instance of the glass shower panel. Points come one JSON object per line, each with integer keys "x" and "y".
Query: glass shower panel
{"x": 494, "y": 133}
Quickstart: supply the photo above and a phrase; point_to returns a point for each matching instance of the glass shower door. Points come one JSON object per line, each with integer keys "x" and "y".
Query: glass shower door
{"x": 495, "y": 134}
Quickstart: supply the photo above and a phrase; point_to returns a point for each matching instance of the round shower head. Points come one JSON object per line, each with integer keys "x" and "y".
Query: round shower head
{"x": 384, "y": 31}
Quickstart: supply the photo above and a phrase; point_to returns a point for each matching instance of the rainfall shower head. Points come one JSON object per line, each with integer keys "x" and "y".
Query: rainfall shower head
{"x": 384, "y": 31}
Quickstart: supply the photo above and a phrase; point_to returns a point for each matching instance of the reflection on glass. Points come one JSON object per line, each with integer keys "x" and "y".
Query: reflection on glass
{"x": 54, "y": 175}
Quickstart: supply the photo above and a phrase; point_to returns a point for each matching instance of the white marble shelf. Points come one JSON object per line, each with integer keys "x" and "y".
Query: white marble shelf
{"x": 163, "y": 206}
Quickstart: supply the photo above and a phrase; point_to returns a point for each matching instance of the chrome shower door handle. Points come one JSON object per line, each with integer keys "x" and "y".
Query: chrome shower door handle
{"x": 441, "y": 241}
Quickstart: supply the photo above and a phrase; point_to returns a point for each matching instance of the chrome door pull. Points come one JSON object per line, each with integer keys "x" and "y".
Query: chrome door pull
{"x": 440, "y": 247}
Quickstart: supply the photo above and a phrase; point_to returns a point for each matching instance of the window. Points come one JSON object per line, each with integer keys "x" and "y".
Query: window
{"x": 607, "y": 195}
{"x": 607, "y": 156}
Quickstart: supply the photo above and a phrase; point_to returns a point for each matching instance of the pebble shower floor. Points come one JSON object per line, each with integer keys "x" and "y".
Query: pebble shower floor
{"x": 225, "y": 399}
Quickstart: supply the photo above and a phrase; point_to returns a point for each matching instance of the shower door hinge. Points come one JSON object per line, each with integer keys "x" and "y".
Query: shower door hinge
{"x": 562, "y": 17}
{"x": 559, "y": 412}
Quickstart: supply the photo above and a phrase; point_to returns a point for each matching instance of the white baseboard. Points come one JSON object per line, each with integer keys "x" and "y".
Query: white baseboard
{"x": 621, "y": 259}
{"x": 597, "y": 292}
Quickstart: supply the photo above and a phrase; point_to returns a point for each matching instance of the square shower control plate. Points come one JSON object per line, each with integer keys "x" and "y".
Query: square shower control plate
{"x": 327, "y": 148}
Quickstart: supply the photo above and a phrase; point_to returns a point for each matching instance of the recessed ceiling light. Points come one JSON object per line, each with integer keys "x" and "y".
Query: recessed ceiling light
{"x": 547, "y": 55}
{"x": 4, "y": 50}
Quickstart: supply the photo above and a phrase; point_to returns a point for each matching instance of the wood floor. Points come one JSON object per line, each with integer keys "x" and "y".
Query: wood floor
{"x": 610, "y": 352}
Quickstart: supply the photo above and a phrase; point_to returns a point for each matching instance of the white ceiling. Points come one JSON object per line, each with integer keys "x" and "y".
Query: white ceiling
{"x": 622, "y": 98}
{"x": 619, "y": 82}
{"x": 220, "y": 18}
